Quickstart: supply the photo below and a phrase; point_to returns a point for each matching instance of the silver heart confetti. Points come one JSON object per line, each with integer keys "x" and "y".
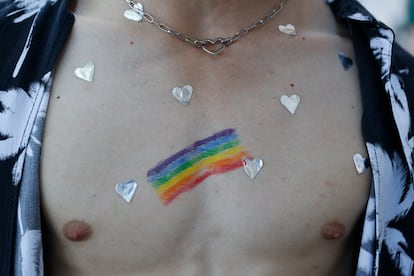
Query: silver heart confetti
{"x": 126, "y": 190}
{"x": 288, "y": 29}
{"x": 252, "y": 167}
{"x": 361, "y": 163}
{"x": 346, "y": 61}
{"x": 136, "y": 13}
{"x": 290, "y": 103}
{"x": 183, "y": 94}
{"x": 86, "y": 72}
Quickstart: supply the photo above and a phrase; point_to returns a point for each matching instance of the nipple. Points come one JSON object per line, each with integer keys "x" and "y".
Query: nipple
{"x": 77, "y": 230}
{"x": 332, "y": 231}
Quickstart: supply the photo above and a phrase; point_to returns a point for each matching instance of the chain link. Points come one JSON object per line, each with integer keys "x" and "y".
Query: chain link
{"x": 206, "y": 43}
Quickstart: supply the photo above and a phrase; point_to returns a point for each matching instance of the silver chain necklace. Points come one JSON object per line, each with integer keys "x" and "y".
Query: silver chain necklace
{"x": 211, "y": 46}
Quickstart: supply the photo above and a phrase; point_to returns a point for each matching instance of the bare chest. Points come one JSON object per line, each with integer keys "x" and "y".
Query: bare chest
{"x": 127, "y": 125}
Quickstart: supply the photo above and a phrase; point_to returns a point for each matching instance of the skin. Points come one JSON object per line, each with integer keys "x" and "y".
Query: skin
{"x": 298, "y": 217}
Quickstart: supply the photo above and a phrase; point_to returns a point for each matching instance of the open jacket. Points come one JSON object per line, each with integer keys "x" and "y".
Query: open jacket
{"x": 387, "y": 85}
{"x": 31, "y": 36}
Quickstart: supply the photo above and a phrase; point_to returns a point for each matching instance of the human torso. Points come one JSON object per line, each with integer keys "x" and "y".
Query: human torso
{"x": 126, "y": 121}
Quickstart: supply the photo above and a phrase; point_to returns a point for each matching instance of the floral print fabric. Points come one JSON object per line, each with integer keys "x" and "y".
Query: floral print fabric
{"x": 387, "y": 87}
{"x": 32, "y": 33}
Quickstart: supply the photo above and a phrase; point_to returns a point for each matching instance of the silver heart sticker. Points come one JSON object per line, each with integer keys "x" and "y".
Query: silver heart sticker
{"x": 360, "y": 163}
{"x": 183, "y": 94}
{"x": 290, "y": 103}
{"x": 126, "y": 190}
{"x": 135, "y": 14}
{"x": 252, "y": 167}
{"x": 86, "y": 72}
{"x": 288, "y": 29}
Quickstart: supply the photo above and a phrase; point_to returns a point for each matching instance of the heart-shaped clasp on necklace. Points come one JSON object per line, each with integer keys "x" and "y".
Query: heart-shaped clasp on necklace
{"x": 209, "y": 46}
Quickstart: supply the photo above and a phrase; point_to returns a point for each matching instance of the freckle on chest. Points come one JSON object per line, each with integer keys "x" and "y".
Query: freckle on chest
{"x": 332, "y": 231}
{"x": 77, "y": 230}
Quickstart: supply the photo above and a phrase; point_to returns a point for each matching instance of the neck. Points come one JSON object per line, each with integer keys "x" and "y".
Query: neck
{"x": 215, "y": 18}
{"x": 212, "y": 18}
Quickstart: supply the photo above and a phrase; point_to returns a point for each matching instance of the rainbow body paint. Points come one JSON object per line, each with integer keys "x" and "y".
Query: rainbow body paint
{"x": 217, "y": 154}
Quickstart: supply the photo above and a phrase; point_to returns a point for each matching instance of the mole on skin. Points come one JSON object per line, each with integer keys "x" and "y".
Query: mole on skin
{"x": 332, "y": 231}
{"x": 77, "y": 230}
